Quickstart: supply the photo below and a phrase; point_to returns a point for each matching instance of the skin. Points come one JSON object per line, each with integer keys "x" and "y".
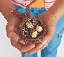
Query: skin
{"x": 51, "y": 17}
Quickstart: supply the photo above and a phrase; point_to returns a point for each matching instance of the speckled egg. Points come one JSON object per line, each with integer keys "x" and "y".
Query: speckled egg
{"x": 39, "y": 28}
{"x": 34, "y": 34}
{"x": 29, "y": 24}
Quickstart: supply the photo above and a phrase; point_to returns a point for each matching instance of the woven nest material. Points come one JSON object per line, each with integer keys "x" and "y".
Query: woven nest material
{"x": 32, "y": 30}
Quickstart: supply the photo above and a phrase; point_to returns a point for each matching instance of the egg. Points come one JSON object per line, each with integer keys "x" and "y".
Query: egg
{"x": 39, "y": 28}
{"x": 29, "y": 24}
{"x": 34, "y": 34}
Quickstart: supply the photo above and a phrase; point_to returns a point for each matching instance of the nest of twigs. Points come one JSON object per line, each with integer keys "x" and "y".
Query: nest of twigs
{"x": 31, "y": 30}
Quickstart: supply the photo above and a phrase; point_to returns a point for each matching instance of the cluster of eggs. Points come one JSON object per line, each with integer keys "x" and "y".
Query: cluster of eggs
{"x": 38, "y": 29}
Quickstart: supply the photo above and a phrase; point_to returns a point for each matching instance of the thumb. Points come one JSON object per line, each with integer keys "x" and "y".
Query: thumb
{"x": 13, "y": 36}
{"x": 10, "y": 32}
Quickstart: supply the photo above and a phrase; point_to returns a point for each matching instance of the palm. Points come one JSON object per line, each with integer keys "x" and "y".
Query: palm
{"x": 51, "y": 25}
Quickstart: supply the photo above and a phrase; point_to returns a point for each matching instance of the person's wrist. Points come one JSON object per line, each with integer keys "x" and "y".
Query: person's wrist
{"x": 13, "y": 21}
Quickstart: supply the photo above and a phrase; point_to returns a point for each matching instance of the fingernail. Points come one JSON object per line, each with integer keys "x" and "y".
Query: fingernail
{"x": 44, "y": 42}
{"x": 32, "y": 45}
{"x": 21, "y": 41}
{"x": 40, "y": 45}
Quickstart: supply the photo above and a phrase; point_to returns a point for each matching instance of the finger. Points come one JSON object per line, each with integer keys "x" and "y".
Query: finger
{"x": 44, "y": 41}
{"x": 50, "y": 32}
{"x": 9, "y": 27}
{"x": 21, "y": 41}
{"x": 43, "y": 46}
{"x": 13, "y": 36}
{"x": 26, "y": 48}
{"x": 20, "y": 47}
{"x": 9, "y": 34}
{"x": 37, "y": 48}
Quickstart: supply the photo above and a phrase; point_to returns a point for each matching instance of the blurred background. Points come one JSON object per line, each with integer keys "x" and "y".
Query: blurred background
{"x": 6, "y": 50}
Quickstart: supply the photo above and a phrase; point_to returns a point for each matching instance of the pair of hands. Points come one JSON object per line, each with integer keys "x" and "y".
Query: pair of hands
{"x": 31, "y": 48}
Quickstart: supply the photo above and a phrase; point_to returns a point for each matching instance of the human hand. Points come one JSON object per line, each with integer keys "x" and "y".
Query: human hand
{"x": 50, "y": 21}
{"x": 14, "y": 38}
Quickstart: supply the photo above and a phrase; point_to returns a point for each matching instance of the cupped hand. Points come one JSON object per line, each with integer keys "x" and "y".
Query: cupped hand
{"x": 49, "y": 19}
{"x": 14, "y": 38}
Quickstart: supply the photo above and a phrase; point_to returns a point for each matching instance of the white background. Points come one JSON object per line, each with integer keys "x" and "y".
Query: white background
{"x": 6, "y": 50}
